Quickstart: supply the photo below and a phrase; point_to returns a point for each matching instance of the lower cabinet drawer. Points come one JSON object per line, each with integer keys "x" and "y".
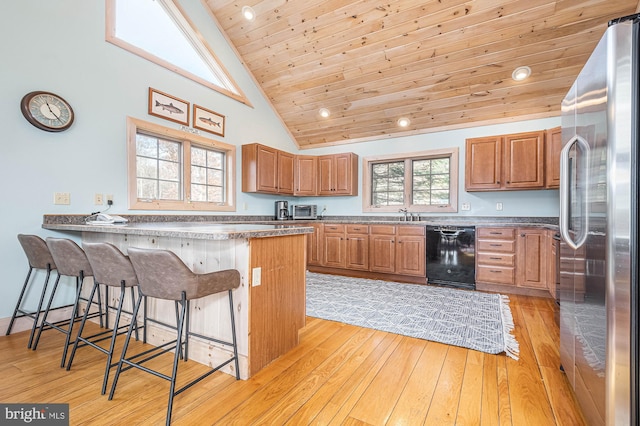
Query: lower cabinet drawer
{"x": 500, "y": 259}
{"x": 505, "y": 246}
{"x": 495, "y": 274}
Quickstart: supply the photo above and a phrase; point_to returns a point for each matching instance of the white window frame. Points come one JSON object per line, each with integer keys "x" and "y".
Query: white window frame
{"x": 134, "y": 126}
{"x": 198, "y": 42}
{"x": 452, "y": 207}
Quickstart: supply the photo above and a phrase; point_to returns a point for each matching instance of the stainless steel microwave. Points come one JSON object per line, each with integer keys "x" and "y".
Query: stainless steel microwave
{"x": 304, "y": 211}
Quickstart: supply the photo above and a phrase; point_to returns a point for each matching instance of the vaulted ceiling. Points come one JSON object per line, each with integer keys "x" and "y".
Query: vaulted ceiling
{"x": 442, "y": 64}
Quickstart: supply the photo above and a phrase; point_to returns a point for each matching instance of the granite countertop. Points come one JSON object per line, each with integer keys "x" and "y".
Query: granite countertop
{"x": 195, "y": 230}
{"x": 240, "y": 225}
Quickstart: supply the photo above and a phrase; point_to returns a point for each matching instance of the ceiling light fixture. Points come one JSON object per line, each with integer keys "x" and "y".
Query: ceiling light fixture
{"x": 248, "y": 13}
{"x": 521, "y": 73}
{"x": 324, "y": 112}
{"x": 404, "y": 122}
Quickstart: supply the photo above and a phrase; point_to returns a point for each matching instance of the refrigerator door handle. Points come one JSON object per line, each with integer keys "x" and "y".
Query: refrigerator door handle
{"x": 565, "y": 182}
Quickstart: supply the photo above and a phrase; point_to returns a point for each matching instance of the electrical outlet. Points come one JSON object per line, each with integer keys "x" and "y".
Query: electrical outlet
{"x": 499, "y": 206}
{"x": 256, "y": 277}
{"x": 466, "y": 206}
{"x": 98, "y": 199}
{"x": 62, "y": 198}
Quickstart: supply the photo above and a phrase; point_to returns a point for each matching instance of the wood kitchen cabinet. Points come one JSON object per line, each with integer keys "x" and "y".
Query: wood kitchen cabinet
{"x": 532, "y": 258}
{"x": 410, "y": 251}
{"x": 495, "y": 256}
{"x": 357, "y": 237}
{"x": 398, "y": 250}
{"x": 553, "y": 147}
{"x": 483, "y": 164}
{"x": 306, "y": 175}
{"x": 505, "y": 162}
{"x": 382, "y": 248}
{"x": 267, "y": 170}
{"x": 512, "y": 260}
{"x": 338, "y": 174}
{"x": 314, "y": 246}
{"x": 271, "y": 171}
{"x": 334, "y": 248}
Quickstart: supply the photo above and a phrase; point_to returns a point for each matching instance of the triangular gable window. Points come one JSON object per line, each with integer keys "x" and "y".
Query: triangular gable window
{"x": 158, "y": 31}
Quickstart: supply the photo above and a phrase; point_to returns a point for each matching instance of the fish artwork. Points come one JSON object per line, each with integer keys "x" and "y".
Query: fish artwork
{"x": 209, "y": 121}
{"x": 170, "y": 107}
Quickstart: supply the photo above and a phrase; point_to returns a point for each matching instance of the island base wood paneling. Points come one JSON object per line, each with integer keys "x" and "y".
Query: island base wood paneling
{"x": 278, "y": 303}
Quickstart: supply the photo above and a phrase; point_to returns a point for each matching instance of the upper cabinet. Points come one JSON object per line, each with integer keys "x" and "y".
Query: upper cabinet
{"x": 306, "y": 175}
{"x": 266, "y": 169}
{"x": 554, "y": 146}
{"x": 505, "y": 162}
{"x": 338, "y": 174}
{"x": 271, "y": 171}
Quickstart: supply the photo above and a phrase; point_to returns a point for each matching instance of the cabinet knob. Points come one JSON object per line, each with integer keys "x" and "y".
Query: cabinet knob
{"x": 522, "y": 235}
{"x": 498, "y": 182}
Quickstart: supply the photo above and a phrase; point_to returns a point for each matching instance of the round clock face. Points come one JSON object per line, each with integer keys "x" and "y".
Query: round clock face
{"x": 47, "y": 111}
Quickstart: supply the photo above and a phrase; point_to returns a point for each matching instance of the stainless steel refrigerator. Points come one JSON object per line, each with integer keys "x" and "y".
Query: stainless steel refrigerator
{"x": 598, "y": 286}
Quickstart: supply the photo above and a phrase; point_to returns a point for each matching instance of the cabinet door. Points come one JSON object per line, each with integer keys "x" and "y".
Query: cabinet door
{"x": 266, "y": 169}
{"x": 358, "y": 251}
{"x": 382, "y": 249}
{"x": 531, "y": 258}
{"x": 410, "y": 256}
{"x": 326, "y": 175}
{"x": 553, "y": 146}
{"x": 285, "y": 172}
{"x": 306, "y": 171}
{"x": 346, "y": 169}
{"x": 314, "y": 247}
{"x": 483, "y": 163}
{"x": 334, "y": 250}
{"x": 524, "y": 160}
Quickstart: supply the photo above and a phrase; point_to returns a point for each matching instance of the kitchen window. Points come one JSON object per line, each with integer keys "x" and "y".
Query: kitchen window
{"x": 420, "y": 182}
{"x": 174, "y": 170}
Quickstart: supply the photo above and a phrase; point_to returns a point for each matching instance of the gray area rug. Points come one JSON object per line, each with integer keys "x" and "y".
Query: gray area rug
{"x": 470, "y": 319}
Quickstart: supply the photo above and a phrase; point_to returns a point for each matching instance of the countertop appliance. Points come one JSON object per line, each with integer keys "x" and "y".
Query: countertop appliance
{"x": 282, "y": 210}
{"x": 599, "y": 227}
{"x": 451, "y": 256}
{"x": 304, "y": 211}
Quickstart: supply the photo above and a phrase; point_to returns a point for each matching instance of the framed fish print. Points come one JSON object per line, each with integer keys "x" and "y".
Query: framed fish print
{"x": 208, "y": 121}
{"x": 168, "y": 107}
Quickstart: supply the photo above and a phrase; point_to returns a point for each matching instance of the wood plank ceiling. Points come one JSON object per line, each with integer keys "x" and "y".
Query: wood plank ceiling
{"x": 441, "y": 63}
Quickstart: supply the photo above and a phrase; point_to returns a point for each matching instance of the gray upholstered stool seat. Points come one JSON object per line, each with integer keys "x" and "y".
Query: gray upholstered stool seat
{"x": 39, "y": 257}
{"x": 162, "y": 275}
{"x": 111, "y": 268}
{"x": 71, "y": 262}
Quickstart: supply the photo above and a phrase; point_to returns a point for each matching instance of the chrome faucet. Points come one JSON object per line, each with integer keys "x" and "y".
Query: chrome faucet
{"x": 405, "y": 212}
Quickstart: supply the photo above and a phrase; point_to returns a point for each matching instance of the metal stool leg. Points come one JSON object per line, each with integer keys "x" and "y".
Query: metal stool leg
{"x": 46, "y": 313}
{"x": 81, "y": 329}
{"x": 233, "y": 335}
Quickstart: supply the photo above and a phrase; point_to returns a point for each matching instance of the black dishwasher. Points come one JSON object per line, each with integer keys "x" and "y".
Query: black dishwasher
{"x": 451, "y": 252}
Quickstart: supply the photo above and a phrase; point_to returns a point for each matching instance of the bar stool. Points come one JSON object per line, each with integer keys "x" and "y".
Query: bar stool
{"x": 72, "y": 262}
{"x": 111, "y": 268}
{"x": 39, "y": 257}
{"x": 163, "y": 275}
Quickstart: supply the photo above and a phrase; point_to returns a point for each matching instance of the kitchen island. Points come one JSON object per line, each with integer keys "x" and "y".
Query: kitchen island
{"x": 269, "y": 304}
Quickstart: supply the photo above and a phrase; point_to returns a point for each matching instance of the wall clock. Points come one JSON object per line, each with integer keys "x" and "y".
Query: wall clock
{"x": 47, "y": 111}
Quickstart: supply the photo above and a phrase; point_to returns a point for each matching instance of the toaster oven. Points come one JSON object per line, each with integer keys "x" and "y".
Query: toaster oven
{"x": 304, "y": 211}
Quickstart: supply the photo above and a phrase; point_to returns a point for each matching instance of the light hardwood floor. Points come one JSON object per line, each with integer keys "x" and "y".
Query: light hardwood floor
{"x": 338, "y": 375}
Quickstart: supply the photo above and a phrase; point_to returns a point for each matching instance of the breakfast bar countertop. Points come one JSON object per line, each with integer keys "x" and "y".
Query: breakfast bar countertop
{"x": 194, "y": 230}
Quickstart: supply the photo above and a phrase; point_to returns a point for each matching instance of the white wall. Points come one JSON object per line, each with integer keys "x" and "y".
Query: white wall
{"x": 59, "y": 46}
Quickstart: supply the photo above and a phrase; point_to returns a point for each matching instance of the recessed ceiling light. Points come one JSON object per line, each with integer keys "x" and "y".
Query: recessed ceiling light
{"x": 248, "y": 13}
{"x": 324, "y": 112}
{"x": 404, "y": 122}
{"x": 521, "y": 73}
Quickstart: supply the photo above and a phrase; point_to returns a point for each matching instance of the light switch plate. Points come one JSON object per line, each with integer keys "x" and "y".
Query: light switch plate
{"x": 256, "y": 276}
{"x": 466, "y": 206}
